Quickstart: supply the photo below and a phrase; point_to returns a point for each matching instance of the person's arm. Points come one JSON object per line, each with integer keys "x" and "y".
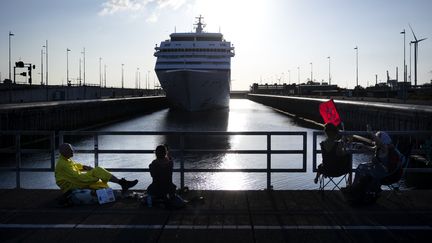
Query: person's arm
{"x": 68, "y": 173}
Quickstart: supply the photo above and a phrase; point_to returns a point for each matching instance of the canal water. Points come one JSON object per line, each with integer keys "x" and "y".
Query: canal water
{"x": 243, "y": 115}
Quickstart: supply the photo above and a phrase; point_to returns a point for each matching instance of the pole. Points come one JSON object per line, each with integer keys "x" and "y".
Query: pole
{"x": 105, "y": 75}
{"x": 298, "y": 73}
{"x": 100, "y": 72}
{"x": 79, "y": 75}
{"x": 122, "y": 78}
{"x": 67, "y": 66}
{"x": 46, "y": 60}
{"x": 356, "y": 48}
{"x": 311, "y": 72}
{"x": 329, "y": 71}
{"x": 410, "y": 77}
{"x": 289, "y": 76}
{"x": 10, "y": 70}
{"x": 84, "y": 52}
{"x": 42, "y": 66}
{"x": 405, "y": 72}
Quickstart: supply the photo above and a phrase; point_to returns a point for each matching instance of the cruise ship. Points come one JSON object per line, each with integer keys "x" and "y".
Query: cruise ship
{"x": 194, "y": 69}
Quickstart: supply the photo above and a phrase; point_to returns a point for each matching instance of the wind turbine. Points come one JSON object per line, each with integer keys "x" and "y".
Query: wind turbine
{"x": 415, "y": 42}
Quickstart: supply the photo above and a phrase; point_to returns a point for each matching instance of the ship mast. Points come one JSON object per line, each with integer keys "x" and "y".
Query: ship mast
{"x": 200, "y": 25}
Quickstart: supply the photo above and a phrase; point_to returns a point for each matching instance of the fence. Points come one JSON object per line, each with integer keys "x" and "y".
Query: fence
{"x": 51, "y": 136}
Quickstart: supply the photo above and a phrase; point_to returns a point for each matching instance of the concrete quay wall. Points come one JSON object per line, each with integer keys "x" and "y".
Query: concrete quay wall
{"x": 20, "y": 93}
{"x": 355, "y": 114}
{"x": 70, "y": 115}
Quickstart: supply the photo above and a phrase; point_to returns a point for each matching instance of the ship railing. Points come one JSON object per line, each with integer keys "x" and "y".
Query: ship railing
{"x": 52, "y": 137}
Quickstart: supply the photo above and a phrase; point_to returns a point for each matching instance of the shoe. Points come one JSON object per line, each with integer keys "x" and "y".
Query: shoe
{"x": 125, "y": 184}
{"x": 316, "y": 180}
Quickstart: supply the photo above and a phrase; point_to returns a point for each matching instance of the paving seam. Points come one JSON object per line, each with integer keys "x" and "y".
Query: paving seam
{"x": 250, "y": 218}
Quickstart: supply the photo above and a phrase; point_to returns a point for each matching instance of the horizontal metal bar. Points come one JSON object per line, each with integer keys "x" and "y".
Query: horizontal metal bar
{"x": 26, "y": 132}
{"x": 115, "y": 151}
{"x": 207, "y": 170}
{"x": 28, "y": 169}
{"x": 24, "y": 151}
{"x": 189, "y": 133}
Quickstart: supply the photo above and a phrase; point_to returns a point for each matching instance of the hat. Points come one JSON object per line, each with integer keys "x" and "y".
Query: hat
{"x": 383, "y": 137}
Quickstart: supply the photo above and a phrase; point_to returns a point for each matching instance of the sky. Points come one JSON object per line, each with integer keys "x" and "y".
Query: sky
{"x": 274, "y": 40}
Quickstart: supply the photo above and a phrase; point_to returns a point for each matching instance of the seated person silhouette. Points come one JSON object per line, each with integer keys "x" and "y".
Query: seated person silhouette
{"x": 336, "y": 162}
{"x": 161, "y": 170}
{"x": 70, "y": 175}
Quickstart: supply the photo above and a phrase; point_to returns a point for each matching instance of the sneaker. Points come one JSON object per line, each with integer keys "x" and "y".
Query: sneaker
{"x": 125, "y": 184}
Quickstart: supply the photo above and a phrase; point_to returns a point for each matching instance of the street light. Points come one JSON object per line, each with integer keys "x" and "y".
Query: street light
{"x": 356, "y": 48}
{"x": 41, "y": 72}
{"x": 311, "y": 72}
{"x": 100, "y": 72}
{"x": 405, "y": 72}
{"x": 10, "y": 35}
{"x": 329, "y": 71}
{"x": 122, "y": 78}
{"x": 298, "y": 73}
{"x": 105, "y": 75}
{"x": 67, "y": 65}
{"x": 289, "y": 76}
{"x": 83, "y": 52}
{"x": 46, "y": 60}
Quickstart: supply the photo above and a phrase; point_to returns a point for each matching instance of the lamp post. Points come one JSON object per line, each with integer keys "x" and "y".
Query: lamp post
{"x": 41, "y": 72}
{"x": 329, "y": 70}
{"x": 79, "y": 75}
{"x": 100, "y": 72}
{"x": 10, "y": 35}
{"x": 105, "y": 75}
{"x": 311, "y": 72}
{"x": 356, "y": 48}
{"x": 289, "y": 76}
{"x": 67, "y": 65}
{"x": 46, "y": 61}
{"x": 298, "y": 75}
{"x": 405, "y": 72}
{"x": 410, "y": 63}
{"x": 122, "y": 78}
{"x": 84, "y": 52}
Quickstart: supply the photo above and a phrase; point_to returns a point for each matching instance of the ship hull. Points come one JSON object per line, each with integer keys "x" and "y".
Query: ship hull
{"x": 196, "y": 90}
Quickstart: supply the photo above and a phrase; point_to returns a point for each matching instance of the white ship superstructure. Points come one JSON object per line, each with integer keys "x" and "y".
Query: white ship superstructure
{"x": 194, "y": 69}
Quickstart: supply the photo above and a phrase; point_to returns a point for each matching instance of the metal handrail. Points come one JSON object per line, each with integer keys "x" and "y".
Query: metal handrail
{"x": 182, "y": 150}
{"x": 316, "y": 150}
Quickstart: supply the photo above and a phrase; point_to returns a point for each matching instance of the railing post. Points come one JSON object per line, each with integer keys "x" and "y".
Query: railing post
{"x": 305, "y": 151}
{"x": 52, "y": 150}
{"x": 61, "y": 138}
{"x": 314, "y": 153}
{"x": 182, "y": 184}
{"x": 269, "y": 186}
{"x": 18, "y": 160}
{"x": 96, "y": 149}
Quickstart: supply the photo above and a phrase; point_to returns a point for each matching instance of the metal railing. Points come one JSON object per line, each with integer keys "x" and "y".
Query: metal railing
{"x": 19, "y": 151}
{"x": 412, "y": 135}
{"x": 181, "y": 150}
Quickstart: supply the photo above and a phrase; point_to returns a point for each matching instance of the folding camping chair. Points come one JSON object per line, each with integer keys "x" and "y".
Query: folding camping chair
{"x": 333, "y": 167}
{"x": 392, "y": 181}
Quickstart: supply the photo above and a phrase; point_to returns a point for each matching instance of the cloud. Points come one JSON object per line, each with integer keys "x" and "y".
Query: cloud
{"x": 149, "y": 8}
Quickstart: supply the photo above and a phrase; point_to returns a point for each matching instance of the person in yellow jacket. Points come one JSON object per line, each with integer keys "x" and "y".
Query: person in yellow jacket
{"x": 71, "y": 175}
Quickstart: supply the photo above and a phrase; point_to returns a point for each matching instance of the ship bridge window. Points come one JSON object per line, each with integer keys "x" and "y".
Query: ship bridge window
{"x": 209, "y": 38}
{"x": 182, "y": 38}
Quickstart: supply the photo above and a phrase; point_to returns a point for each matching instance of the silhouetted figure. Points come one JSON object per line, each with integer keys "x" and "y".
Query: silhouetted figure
{"x": 161, "y": 170}
{"x": 336, "y": 162}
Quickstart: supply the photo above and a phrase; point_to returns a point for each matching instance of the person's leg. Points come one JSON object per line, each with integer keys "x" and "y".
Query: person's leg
{"x": 106, "y": 176}
{"x": 318, "y": 174}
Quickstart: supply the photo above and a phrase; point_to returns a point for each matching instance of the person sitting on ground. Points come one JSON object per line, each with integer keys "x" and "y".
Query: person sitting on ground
{"x": 71, "y": 175}
{"x": 161, "y": 170}
{"x": 335, "y": 159}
